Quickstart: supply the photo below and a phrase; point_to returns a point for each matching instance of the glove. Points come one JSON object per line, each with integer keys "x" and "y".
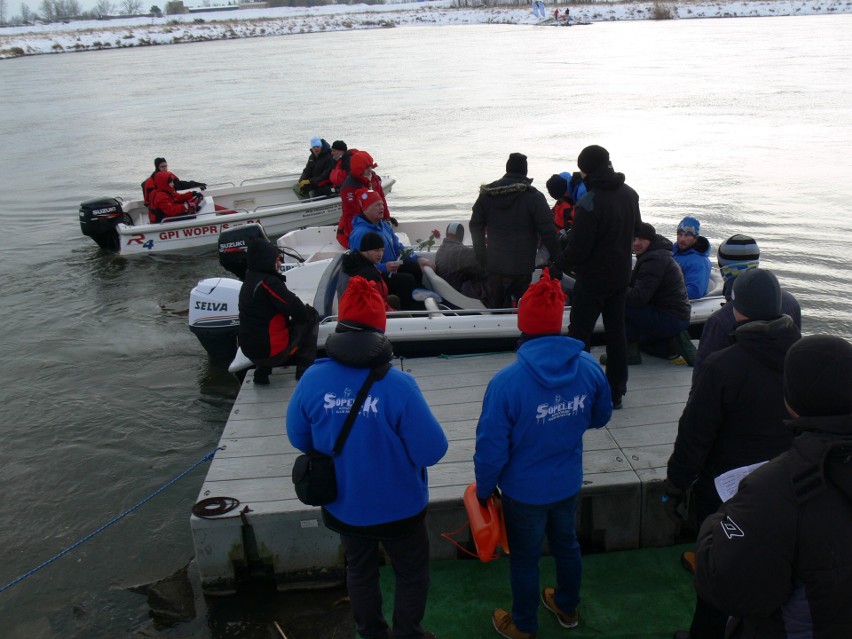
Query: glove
{"x": 202, "y": 186}
{"x": 484, "y": 501}
{"x": 304, "y": 183}
{"x": 555, "y": 271}
{"x": 197, "y": 196}
{"x": 674, "y": 503}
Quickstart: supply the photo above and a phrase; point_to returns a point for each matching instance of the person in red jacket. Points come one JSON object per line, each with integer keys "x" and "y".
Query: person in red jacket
{"x": 165, "y": 202}
{"x": 361, "y": 176}
{"x": 160, "y": 164}
{"x": 341, "y": 155}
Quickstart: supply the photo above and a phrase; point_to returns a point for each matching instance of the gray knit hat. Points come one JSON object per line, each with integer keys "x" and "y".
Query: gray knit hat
{"x": 757, "y": 294}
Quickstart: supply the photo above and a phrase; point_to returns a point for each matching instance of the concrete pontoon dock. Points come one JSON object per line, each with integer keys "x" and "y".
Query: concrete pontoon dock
{"x": 272, "y": 534}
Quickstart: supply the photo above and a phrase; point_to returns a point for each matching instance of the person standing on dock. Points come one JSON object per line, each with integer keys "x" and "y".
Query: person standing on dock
{"x": 529, "y": 443}
{"x": 382, "y": 484}
{"x": 599, "y": 251}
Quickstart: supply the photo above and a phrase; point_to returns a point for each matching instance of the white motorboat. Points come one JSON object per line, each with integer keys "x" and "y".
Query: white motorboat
{"x": 452, "y": 323}
{"x": 123, "y": 226}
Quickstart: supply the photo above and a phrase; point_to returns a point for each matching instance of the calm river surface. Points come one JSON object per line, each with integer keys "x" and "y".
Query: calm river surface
{"x": 105, "y": 393}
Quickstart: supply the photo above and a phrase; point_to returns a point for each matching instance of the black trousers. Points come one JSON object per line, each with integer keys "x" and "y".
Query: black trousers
{"x": 409, "y": 557}
{"x": 708, "y": 622}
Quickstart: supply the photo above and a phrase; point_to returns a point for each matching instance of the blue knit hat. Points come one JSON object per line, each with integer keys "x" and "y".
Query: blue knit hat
{"x": 690, "y": 226}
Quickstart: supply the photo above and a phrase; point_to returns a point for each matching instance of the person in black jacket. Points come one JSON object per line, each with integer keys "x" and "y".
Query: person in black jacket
{"x": 276, "y": 328}
{"x": 733, "y": 415}
{"x": 599, "y": 250}
{"x": 777, "y": 556}
{"x": 657, "y": 304}
{"x": 516, "y": 216}
{"x": 314, "y": 180}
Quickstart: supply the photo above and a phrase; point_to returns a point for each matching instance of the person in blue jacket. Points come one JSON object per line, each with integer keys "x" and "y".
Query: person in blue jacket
{"x": 529, "y": 443}
{"x": 692, "y": 254}
{"x": 382, "y": 484}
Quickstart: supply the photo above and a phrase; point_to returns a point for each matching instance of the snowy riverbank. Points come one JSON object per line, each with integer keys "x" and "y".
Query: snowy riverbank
{"x": 250, "y": 23}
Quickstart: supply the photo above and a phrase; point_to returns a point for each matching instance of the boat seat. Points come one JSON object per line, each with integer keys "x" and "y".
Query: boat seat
{"x": 449, "y": 294}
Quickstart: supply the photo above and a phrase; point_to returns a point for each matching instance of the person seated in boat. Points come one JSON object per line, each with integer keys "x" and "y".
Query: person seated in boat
{"x": 364, "y": 262}
{"x": 658, "y": 311}
{"x": 341, "y": 154}
{"x": 566, "y": 188}
{"x": 166, "y": 202}
{"x": 314, "y": 180}
{"x": 399, "y": 266}
{"x": 276, "y": 327}
{"x": 160, "y": 164}
{"x": 692, "y": 254}
{"x": 456, "y": 263}
{"x": 361, "y": 176}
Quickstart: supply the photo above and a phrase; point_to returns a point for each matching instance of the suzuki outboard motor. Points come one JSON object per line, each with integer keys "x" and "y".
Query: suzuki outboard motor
{"x": 233, "y": 247}
{"x": 98, "y": 219}
{"x": 214, "y": 316}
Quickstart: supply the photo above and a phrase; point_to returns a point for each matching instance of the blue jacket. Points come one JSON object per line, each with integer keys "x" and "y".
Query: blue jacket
{"x": 695, "y": 264}
{"x": 529, "y": 439}
{"x": 393, "y": 247}
{"x": 381, "y": 472}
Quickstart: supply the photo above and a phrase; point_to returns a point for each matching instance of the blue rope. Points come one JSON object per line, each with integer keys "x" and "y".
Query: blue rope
{"x": 112, "y": 521}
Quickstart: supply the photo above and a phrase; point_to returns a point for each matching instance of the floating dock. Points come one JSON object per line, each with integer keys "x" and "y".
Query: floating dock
{"x": 271, "y": 534}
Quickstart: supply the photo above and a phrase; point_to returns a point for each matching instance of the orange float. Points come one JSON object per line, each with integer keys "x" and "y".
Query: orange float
{"x": 486, "y": 524}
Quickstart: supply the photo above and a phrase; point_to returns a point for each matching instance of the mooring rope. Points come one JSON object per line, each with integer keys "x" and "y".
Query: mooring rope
{"x": 112, "y": 521}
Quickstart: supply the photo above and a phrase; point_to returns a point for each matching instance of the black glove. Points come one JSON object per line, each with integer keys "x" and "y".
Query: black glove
{"x": 202, "y": 186}
{"x": 555, "y": 271}
{"x": 197, "y": 195}
{"x": 674, "y": 503}
{"x": 484, "y": 501}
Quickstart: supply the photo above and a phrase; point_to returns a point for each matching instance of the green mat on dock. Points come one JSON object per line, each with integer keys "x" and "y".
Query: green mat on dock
{"x": 636, "y": 594}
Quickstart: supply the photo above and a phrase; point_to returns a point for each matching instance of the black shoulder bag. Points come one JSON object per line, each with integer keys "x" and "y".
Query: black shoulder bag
{"x": 313, "y": 473}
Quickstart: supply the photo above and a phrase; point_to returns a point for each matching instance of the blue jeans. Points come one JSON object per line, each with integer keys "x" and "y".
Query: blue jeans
{"x": 526, "y": 526}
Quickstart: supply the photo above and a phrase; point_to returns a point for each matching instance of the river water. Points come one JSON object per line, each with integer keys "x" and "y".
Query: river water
{"x": 105, "y": 393}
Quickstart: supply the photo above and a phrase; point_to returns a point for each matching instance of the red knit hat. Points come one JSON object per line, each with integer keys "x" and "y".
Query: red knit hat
{"x": 540, "y": 309}
{"x": 362, "y": 303}
{"x": 366, "y": 197}
{"x": 359, "y": 162}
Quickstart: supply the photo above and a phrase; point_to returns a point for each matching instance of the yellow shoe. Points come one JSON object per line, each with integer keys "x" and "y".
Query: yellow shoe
{"x": 565, "y": 619}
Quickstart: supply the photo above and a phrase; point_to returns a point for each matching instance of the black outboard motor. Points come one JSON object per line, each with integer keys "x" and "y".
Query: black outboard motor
{"x": 233, "y": 247}
{"x": 98, "y": 219}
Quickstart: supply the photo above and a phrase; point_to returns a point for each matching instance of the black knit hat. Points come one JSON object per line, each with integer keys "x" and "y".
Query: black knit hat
{"x": 158, "y": 162}
{"x": 818, "y": 376}
{"x": 339, "y": 145}
{"x": 592, "y": 158}
{"x": 757, "y": 294}
{"x": 371, "y": 241}
{"x": 517, "y": 163}
{"x": 646, "y": 231}
{"x": 557, "y": 186}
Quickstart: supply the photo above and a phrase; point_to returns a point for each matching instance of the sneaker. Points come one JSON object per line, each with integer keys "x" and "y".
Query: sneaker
{"x": 565, "y": 619}
{"x": 505, "y": 627}
{"x": 687, "y": 560}
{"x": 677, "y": 359}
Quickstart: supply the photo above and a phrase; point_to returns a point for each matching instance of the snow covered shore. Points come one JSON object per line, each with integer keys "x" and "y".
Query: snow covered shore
{"x": 250, "y": 23}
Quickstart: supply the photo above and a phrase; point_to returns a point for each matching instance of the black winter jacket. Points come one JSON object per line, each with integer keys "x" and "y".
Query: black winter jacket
{"x": 599, "y": 248}
{"x": 657, "y": 280}
{"x": 267, "y": 306}
{"x": 318, "y": 168}
{"x": 777, "y": 555}
{"x": 515, "y": 215}
{"x": 736, "y": 407}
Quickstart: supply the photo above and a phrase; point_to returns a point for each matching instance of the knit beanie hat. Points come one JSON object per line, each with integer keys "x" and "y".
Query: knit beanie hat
{"x": 646, "y": 231}
{"x": 359, "y": 162}
{"x": 366, "y": 197}
{"x": 592, "y": 158}
{"x": 757, "y": 294}
{"x": 541, "y": 307}
{"x": 456, "y": 230}
{"x": 339, "y": 145}
{"x": 818, "y": 376}
{"x": 371, "y": 241}
{"x": 557, "y": 186}
{"x": 690, "y": 226}
{"x": 517, "y": 163}
{"x": 738, "y": 249}
{"x": 316, "y": 142}
{"x": 158, "y": 162}
{"x": 362, "y": 303}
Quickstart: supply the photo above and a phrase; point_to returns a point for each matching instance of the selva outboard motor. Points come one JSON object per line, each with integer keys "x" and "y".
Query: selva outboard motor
{"x": 214, "y": 316}
{"x": 233, "y": 247}
{"x": 98, "y": 219}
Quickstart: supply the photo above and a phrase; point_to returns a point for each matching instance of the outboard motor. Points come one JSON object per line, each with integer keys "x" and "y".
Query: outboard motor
{"x": 214, "y": 316}
{"x": 98, "y": 219}
{"x": 233, "y": 247}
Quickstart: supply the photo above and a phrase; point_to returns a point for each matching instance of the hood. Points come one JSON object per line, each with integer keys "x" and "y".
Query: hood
{"x": 162, "y": 179}
{"x": 659, "y": 243}
{"x": 361, "y": 349}
{"x": 768, "y": 340}
{"x": 552, "y": 360}
{"x": 504, "y": 192}
{"x": 261, "y": 256}
{"x": 826, "y": 442}
{"x": 701, "y": 247}
{"x": 604, "y": 178}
